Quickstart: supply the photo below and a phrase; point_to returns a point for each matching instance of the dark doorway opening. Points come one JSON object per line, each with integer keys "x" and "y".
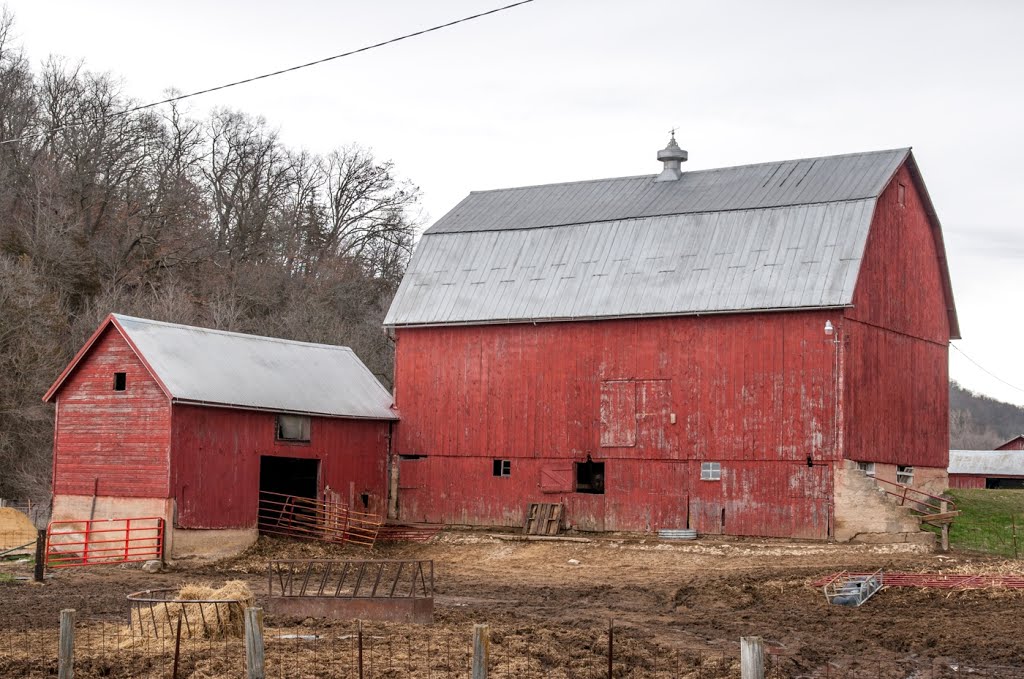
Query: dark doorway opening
{"x": 590, "y": 477}
{"x": 1004, "y": 484}
{"x": 288, "y": 489}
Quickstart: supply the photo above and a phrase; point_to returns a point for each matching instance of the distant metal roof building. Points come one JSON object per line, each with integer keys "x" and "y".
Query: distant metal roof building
{"x": 986, "y": 462}
{"x": 214, "y": 367}
{"x": 773, "y": 236}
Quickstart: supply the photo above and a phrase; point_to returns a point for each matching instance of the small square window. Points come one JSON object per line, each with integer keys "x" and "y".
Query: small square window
{"x": 867, "y": 467}
{"x": 120, "y": 381}
{"x": 590, "y": 477}
{"x": 502, "y": 468}
{"x": 293, "y": 428}
{"x": 905, "y": 475}
{"x": 710, "y": 471}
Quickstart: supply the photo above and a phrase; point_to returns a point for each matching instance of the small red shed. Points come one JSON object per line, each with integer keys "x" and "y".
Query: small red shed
{"x": 718, "y": 349}
{"x": 190, "y": 424}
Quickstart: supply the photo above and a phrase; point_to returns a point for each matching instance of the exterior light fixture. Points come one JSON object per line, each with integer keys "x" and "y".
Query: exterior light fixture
{"x": 829, "y": 329}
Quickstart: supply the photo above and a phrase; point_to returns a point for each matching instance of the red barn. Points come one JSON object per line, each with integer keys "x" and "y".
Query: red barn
{"x": 993, "y": 469}
{"x": 1016, "y": 443}
{"x": 717, "y": 349}
{"x": 190, "y": 424}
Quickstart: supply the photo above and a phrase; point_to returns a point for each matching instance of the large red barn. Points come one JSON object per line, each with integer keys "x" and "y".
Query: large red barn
{"x": 189, "y": 424}
{"x": 717, "y": 349}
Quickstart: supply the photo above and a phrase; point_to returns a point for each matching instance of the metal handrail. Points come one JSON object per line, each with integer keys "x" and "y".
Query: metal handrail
{"x": 935, "y": 503}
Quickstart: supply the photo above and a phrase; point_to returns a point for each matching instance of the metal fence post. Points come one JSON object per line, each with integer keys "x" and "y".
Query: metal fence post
{"x": 751, "y": 658}
{"x": 481, "y": 650}
{"x": 66, "y": 658}
{"x": 254, "y": 665}
{"x": 40, "y": 564}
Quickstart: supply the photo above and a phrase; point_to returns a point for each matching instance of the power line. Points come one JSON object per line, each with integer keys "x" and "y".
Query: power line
{"x": 367, "y": 48}
{"x": 983, "y": 369}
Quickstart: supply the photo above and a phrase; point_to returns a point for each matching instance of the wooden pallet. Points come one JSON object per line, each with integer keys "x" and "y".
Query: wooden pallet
{"x": 543, "y": 519}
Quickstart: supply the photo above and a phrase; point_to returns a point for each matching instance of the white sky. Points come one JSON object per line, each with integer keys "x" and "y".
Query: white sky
{"x": 563, "y": 90}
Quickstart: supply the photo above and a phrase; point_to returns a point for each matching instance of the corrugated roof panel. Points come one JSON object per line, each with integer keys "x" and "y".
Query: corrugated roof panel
{"x": 790, "y": 257}
{"x": 987, "y": 462}
{"x": 246, "y": 371}
{"x": 781, "y": 184}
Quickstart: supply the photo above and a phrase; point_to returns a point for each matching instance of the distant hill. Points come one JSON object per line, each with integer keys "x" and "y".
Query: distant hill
{"x": 978, "y": 422}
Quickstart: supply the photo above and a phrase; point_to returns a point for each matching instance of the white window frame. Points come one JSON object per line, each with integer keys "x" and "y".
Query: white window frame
{"x": 905, "y": 474}
{"x": 293, "y": 428}
{"x": 504, "y": 468}
{"x": 710, "y": 471}
{"x": 867, "y": 467}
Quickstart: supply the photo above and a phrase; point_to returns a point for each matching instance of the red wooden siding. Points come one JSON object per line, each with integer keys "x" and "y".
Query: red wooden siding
{"x": 121, "y": 438}
{"x": 896, "y": 382}
{"x": 1013, "y": 444}
{"x": 743, "y": 388}
{"x": 217, "y": 462}
{"x": 966, "y": 481}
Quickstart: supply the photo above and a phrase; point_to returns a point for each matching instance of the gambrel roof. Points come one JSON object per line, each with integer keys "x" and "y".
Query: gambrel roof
{"x": 218, "y": 368}
{"x": 773, "y": 236}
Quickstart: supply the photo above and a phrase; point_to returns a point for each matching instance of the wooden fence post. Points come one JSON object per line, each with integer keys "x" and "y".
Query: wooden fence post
{"x": 40, "y": 555}
{"x": 1013, "y": 523}
{"x": 611, "y": 647}
{"x": 254, "y": 665}
{"x": 481, "y": 650}
{"x": 944, "y": 507}
{"x": 359, "y": 641}
{"x": 751, "y": 658}
{"x": 66, "y": 659}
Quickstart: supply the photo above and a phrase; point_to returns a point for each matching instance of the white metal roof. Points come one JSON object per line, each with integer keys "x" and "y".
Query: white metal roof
{"x": 759, "y": 237}
{"x": 214, "y": 367}
{"x": 987, "y": 462}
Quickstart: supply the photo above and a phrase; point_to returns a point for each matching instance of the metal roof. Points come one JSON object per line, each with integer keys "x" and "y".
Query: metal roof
{"x": 767, "y": 185}
{"x": 773, "y": 236}
{"x": 987, "y": 462}
{"x": 215, "y": 367}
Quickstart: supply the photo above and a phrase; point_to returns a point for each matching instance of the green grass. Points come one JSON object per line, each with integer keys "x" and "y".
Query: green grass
{"x": 986, "y": 521}
{"x": 5, "y": 578}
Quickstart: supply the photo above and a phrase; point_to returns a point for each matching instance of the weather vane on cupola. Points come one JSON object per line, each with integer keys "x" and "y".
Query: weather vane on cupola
{"x": 672, "y": 156}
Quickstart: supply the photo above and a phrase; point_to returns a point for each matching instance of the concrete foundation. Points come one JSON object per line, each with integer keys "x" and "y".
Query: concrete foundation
{"x": 931, "y": 480}
{"x": 211, "y": 544}
{"x": 863, "y": 513}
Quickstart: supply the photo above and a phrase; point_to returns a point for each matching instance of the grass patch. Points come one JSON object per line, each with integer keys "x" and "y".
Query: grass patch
{"x": 990, "y": 521}
{"x": 6, "y": 578}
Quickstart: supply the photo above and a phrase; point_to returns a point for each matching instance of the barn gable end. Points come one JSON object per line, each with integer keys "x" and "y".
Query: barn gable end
{"x": 109, "y": 442}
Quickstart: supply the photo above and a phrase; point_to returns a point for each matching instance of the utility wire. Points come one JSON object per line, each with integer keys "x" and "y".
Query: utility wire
{"x": 367, "y": 48}
{"x": 983, "y": 369}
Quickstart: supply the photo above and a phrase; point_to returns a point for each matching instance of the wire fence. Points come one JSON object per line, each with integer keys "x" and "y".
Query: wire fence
{"x": 105, "y": 648}
{"x": 996, "y": 534}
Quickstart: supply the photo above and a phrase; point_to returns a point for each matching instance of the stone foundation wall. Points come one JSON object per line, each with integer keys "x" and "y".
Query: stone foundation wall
{"x": 863, "y": 513}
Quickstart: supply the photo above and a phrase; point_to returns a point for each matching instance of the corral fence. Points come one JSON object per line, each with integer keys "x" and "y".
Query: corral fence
{"x": 306, "y": 518}
{"x": 92, "y": 542}
{"x": 997, "y": 534}
{"x": 101, "y": 648}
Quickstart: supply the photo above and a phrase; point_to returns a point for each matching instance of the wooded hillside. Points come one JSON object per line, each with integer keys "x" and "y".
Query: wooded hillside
{"x": 154, "y": 213}
{"x": 978, "y": 422}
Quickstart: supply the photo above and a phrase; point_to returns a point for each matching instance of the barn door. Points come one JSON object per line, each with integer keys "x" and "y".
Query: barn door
{"x": 810, "y": 488}
{"x": 414, "y": 488}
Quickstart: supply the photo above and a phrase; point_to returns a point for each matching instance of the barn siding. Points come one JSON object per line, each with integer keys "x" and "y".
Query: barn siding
{"x": 896, "y": 335}
{"x": 217, "y": 462}
{"x": 752, "y": 388}
{"x": 114, "y": 442}
{"x": 966, "y": 481}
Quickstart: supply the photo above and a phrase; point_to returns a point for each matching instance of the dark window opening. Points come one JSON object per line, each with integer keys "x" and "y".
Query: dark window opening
{"x": 293, "y": 428}
{"x": 502, "y": 468}
{"x": 901, "y": 194}
{"x": 810, "y": 461}
{"x": 284, "y": 483}
{"x": 412, "y": 457}
{"x": 365, "y": 499}
{"x": 1004, "y": 484}
{"x": 723, "y": 519}
{"x": 120, "y": 381}
{"x": 590, "y": 477}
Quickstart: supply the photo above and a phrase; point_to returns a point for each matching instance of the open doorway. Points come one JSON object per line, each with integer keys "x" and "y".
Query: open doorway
{"x": 288, "y": 489}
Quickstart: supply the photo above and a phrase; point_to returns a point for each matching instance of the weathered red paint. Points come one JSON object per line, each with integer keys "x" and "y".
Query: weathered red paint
{"x": 769, "y": 396}
{"x": 755, "y": 392}
{"x": 966, "y": 481}
{"x": 216, "y": 462}
{"x": 113, "y": 443}
{"x": 1016, "y": 443}
{"x": 896, "y": 399}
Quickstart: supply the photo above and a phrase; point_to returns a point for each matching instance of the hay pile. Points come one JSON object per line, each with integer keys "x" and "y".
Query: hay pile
{"x": 198, "y": 620}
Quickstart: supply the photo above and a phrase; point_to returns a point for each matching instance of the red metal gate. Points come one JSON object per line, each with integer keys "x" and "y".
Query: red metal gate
{"x": 104, "y": 541}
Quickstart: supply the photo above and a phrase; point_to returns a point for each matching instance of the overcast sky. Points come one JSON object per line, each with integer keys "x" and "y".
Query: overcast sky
{"x": 563, "y": 90}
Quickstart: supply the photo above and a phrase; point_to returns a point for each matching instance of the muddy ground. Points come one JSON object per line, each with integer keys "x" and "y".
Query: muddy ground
{"x": 687, "y": 603}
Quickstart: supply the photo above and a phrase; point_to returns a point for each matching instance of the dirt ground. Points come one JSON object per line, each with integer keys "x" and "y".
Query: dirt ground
{"x": 696, "y": 599}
